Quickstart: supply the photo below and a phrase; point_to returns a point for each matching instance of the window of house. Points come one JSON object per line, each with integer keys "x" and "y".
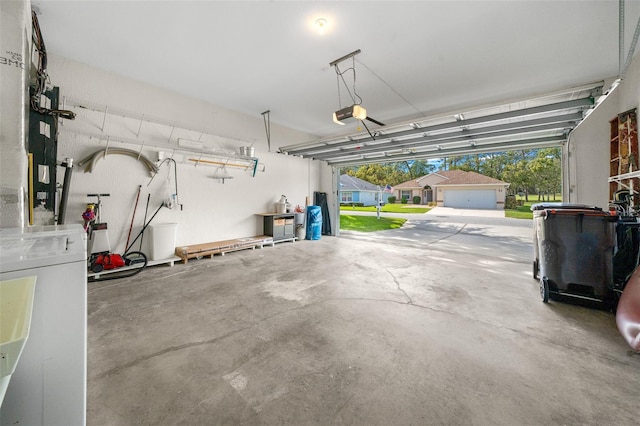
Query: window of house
{"x": 405, "y": 194}
{"x": 346, "y": 197}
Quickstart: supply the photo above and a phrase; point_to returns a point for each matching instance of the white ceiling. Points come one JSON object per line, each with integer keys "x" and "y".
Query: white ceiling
{"x": 419, "y": 58}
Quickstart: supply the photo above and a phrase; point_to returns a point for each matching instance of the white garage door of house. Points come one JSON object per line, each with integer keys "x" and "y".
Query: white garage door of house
{"x": 470, "y": 199}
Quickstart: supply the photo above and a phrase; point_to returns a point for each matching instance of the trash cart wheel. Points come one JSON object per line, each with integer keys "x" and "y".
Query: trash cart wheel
{"x": 535, "y": 269}
{"x": 544, "y": 289}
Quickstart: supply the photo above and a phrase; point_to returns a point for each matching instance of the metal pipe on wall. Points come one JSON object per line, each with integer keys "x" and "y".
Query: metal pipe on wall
{"x": 68, "y": 171}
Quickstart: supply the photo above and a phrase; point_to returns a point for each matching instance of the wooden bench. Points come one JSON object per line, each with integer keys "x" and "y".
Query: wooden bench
{"x": 221, "y": 247}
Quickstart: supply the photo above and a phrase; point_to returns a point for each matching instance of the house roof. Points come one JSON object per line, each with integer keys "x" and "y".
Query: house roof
{"x": 460, "y": 177}
{"x": 410, "y": 184}
{"x": 453, "y": 177}
{"x": 351, "y": 183}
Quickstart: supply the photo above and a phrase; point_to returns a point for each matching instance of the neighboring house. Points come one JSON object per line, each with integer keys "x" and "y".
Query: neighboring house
{"x": 455, "y": 188}
{"x": 354, "y": 190}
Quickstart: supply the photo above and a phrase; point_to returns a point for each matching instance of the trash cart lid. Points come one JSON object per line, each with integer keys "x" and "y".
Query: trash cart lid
{"x": 563, "y": 206}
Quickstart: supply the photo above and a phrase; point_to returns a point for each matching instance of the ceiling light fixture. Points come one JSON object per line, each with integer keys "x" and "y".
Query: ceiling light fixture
{"x": 321, "y": 25}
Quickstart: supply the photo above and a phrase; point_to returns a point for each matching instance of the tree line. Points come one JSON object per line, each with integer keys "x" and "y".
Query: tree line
{"x": 533, "y": 171}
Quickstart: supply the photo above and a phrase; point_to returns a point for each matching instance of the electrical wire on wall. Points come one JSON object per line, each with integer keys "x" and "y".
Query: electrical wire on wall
{"x": 42, "y": 77}
{"x": 170, "y": 202}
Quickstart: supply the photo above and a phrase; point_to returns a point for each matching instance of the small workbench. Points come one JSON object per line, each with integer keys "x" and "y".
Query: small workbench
{"x": 279, "y": 226}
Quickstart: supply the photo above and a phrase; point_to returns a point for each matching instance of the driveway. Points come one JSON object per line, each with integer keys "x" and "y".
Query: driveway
{"x": 450, "y": 211}
{"x": 436, "y": 212}
{"x": 506, "y": 238}
{"x": 447, "y": 214}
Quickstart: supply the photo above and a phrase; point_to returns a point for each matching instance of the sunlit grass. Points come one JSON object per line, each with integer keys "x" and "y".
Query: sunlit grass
{"x": 524, "y": 211}
{"x": 369, "y": 223}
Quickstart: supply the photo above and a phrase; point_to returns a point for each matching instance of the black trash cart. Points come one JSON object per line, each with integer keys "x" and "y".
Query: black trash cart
{"x": 574, "y": 246}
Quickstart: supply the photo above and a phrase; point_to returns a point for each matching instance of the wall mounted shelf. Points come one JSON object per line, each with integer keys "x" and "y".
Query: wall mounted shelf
{"x": 183, "y": 143}
{"x": 105, "y": 111}
{"x": 186, "y": 155}
{"x": 624, "y": 169}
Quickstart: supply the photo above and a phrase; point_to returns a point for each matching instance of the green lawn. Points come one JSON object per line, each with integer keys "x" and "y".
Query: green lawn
{"x": 387, "y": 208}
{"x": 524, "y": 211}
{"x": 369, "y": 223}
{"x": 521, "y": 212}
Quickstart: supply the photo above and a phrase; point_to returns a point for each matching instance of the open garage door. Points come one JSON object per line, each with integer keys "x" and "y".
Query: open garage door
{"x": 470, "y": 198}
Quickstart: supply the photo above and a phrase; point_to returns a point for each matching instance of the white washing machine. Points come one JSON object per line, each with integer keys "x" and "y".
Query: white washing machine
{"x": 49, "y": 385}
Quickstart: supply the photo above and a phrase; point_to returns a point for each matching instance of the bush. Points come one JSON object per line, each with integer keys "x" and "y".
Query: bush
{"x": 404, "y": 201}
{"x": 352, "y": 204}
{"x": 416, "y": 199}
{"x": 510, "y": 202}
{"x": 432, "y": 204}
{"x": 391, "y": 199}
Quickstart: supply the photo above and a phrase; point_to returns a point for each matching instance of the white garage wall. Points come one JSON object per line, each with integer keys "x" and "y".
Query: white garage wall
{"x": 585, "y": 181}
{"x": 586, "y": 165}
{"x": 212, "y": 211}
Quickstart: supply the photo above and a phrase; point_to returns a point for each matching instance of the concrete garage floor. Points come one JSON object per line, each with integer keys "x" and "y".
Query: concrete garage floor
{"x": 437, "y": 323}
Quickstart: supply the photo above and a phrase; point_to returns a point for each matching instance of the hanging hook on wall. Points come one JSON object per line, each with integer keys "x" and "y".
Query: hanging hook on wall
{"x": 140, "y": 126}
{"x": 198, "y": 161}
{"x": 171, "y": 134}
{"x": 222, "y": 173}
{"x": 104, "y": 118}
{"x": 266, "y": 116}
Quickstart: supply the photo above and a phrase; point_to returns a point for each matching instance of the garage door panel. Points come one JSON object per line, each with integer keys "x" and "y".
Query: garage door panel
{"x": 470, "y": 199}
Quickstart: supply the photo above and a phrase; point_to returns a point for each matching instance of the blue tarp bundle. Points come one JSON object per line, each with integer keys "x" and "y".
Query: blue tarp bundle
{"x": 314, "y": 223}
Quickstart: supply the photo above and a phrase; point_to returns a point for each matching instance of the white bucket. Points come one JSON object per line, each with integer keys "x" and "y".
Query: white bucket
{"x": 163, "y": 241}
